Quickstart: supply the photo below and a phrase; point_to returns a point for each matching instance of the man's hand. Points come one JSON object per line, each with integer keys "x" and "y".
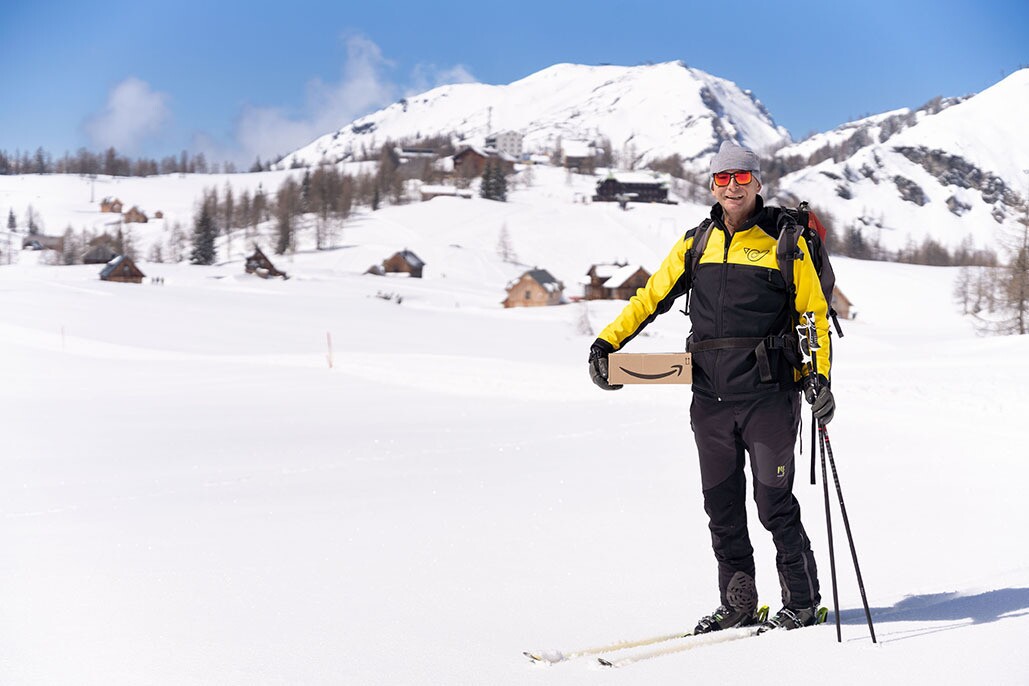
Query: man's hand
{"x": 818, "y": 395}
{"x": 598, "y": 367}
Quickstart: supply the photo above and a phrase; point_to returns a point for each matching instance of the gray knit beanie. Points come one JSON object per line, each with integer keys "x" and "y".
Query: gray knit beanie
{"x": 732, "y": 156}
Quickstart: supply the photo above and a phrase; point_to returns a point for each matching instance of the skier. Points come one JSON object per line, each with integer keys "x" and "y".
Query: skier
{"x": 746, "y": 384}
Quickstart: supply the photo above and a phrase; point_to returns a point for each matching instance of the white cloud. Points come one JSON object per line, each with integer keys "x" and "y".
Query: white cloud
{"x": 267, "y": 132}
{"x": 364, "y": 86}
{"x": 428, "y": 76}
{"x": 133, "y": 113}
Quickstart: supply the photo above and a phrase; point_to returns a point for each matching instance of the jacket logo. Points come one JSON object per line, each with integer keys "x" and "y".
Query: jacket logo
{"x": 754, "y": 255}
{"x": 780, "y": 471}
{"x": 676, "y": 369}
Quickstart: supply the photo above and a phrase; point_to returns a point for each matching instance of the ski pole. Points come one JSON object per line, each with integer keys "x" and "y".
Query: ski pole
{"x": 846, "y": 524}
{"x": 832, "y": 550}
{"x": 809, "y": 345}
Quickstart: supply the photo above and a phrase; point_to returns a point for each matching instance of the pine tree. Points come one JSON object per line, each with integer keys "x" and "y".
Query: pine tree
{"x": 204, "y": 233}
{"x": 486, "y": 185}
{"x": 12, "y": 221}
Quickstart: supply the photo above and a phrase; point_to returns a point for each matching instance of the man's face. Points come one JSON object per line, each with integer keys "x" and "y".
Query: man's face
{"x": 735, "y": 198}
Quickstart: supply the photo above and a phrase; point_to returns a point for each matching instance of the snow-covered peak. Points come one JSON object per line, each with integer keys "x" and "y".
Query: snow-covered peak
{"x": 645, "y": 112}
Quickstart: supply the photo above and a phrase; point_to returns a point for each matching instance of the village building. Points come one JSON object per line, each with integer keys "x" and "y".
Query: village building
{"x": 99, "y": 254}
{"x": 403, "y": 262}
{"x": 428, "y": 192}
{"x": 122, "y": 269}
{"x": 534, "y": 288}
{"x": 614, "y": 281}
{"x": 635, "y": 186}
{"x": 577, "y": 154}
{"x": 470, "y": 161}
{"x": 111, "y": 205}
{"x": 258, "y": 264}
{"x": 134, "y": 216}
{"x": 41, "y": 242}
{"x": 506, "y": 142}
{"x": 842, "y": 304}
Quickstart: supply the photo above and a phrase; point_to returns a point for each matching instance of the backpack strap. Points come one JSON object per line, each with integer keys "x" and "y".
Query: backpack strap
{"x": 761, "y": 346}
{"x": 693, "y": 255}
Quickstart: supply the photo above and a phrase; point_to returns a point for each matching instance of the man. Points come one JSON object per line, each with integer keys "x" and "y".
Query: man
{"x": 746, "y": 383}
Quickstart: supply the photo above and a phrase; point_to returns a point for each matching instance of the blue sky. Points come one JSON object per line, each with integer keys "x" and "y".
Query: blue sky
{"x": 240, "y": 79}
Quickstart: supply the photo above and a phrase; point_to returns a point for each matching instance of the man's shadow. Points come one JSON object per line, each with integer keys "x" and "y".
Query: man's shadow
{"x": 957, "y": 608}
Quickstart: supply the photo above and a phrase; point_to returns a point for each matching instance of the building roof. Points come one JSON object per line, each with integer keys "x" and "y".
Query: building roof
{"x": 411, "y": 258}
{"x": 576, "y": 149}
{"x": 639, "y": 177}
{"x": 545, "y": 279}
{"x": 621, "y": 275}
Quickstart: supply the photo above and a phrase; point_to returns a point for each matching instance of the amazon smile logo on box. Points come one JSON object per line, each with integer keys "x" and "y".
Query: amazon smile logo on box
{"x": 650, "y": 368}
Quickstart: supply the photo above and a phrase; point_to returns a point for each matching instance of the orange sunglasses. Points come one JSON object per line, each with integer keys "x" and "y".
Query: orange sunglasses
{"x": 742, "y": 178}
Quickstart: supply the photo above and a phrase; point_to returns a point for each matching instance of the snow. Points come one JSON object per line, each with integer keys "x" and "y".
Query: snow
{"x": 192, "y": 494}
{"x": 685, "y": 110}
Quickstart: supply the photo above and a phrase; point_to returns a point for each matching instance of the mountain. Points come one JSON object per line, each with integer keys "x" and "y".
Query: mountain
{"x": 951, "y": 170}
{"x": 646, "y": 112}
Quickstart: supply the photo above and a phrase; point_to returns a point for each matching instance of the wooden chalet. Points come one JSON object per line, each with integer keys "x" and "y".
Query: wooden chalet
{"x": 577, "y": 154}
{"x": 614, "y": 281}
{"x": 633, "y": 187}
{"x": 258, "y": 264}
{"x": 134, "y": 216}
{"x": 428, "y": 192}
{"x": 471, "y": 161}
{"x": 842, "y": 304}
{"x": 111, "y": 205}
{"x": 404, "y": 262}
{"x": 41, "y": 242}
{"x": 534, "y": 288}
{"x": 99, "y": 254}
{"x": 122, "y": 269}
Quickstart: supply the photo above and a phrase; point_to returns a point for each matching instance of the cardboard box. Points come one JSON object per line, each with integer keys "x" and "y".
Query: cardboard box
{"x": 650, "y": 368}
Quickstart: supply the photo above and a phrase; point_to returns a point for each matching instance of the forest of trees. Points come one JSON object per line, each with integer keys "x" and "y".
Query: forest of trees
{"x": 112, "y": 163}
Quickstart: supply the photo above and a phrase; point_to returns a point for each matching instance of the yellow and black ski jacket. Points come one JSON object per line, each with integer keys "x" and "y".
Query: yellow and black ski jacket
{"x": 742, "y": 317}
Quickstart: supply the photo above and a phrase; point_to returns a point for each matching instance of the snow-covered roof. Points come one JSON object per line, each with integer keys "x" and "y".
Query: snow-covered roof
{"x": 621, "y": 275}
{"x": 576, "y": 148}
{"x": 644, "y": 177}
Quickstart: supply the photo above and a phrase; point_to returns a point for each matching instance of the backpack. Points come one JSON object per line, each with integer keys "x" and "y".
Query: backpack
{"x": 792, "y": 224}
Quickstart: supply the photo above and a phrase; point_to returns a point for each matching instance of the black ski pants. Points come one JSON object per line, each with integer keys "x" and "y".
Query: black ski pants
{"x": 765, "y": 428}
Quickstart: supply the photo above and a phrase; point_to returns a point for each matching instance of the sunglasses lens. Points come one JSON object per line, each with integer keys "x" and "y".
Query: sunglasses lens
{"x": 742, "y": 177}
{"x": 722, "y": 179}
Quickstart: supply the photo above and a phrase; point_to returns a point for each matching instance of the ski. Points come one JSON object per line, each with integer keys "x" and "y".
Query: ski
{"x": 555, "y": 656}
{"x": 688, "y": 642}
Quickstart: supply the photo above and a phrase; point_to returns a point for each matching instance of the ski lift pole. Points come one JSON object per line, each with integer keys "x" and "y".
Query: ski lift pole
{"x": 809, "y": 346}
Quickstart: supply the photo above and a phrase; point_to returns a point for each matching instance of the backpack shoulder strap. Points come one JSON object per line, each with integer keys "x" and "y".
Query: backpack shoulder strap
{"x": 696, "y": 250}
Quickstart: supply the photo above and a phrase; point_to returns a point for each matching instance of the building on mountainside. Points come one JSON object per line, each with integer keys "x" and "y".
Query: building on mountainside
{"x": 403, "y": 262}
{"x": 842, "y": 304}
{"x": 111, "y": 205}
{"x": 134, "y": 216}
{"x": 99, "y": 254}
{"x": 469, "y": 162}
{"x": 122, "y": 269}
{"x": 534, "y": 288}
{"x": 506, "y": 142}
{"x": 578, "y": 155}
{"x": 428, "y": 192}
{"x": 258, "y": 264}
{"x": 41, "y": 242}
{"x": 614, "y": 281}
{"x": 635, "y": 186}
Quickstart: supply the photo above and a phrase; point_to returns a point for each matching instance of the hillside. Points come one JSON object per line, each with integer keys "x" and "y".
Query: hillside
{"x": 954, "y": 172}
{"x": 687, "y": 111}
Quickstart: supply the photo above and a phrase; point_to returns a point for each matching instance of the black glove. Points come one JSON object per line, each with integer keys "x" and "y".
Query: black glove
{"x": 818, "y": 395}
{"x": 598, "y": 367}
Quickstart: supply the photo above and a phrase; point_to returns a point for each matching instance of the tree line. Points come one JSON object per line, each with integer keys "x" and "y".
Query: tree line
{"x": 112, "y": 163}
